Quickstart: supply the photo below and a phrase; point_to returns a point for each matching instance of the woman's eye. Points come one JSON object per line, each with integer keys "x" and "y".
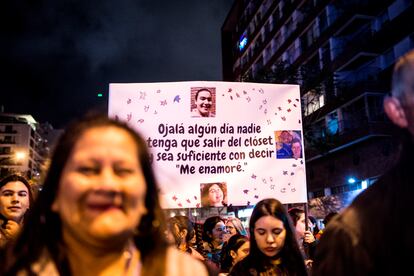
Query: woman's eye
{"x": 261, "y": 232}
{"x": 123, "y": 171}
{"x": 88, "y": 170}
{"x": 277, "y": 232}
{"x": 22, "y": 194}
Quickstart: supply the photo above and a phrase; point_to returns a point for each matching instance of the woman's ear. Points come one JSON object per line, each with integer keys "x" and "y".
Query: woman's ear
{"x": 394, "y": 111}
{"x": 183, "y": 234}
{"x": 233, "y": 254}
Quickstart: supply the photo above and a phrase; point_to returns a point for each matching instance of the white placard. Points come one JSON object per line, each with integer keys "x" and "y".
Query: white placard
{"x": 240, "y": 146}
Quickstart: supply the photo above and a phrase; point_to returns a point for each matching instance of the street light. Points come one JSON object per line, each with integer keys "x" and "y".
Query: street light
{"x": 13, "y": 160}
{"x": 20, "y": 155}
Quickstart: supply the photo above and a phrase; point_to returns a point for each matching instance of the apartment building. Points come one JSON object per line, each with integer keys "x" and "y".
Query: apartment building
{"x": 341, "y": 53}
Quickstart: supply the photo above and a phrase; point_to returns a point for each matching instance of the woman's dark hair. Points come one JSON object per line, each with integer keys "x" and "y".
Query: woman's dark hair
{"x": 292, "y": 258}
{"x": 14, "y": 178}
{"x": 205, "y": 191}
{"x": 183, "y": 223}
{"x": 233, "y": 244}
{"x": 208, "y": 227}
{"x": 295, "y": 214}
{"x": 43, "y": 229}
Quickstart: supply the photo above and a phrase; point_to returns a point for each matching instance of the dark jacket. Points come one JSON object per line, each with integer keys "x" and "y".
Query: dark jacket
{"x": 374, "y": 235}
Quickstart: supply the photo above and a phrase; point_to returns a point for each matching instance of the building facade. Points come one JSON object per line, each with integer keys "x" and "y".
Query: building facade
{"x": 23, "y": 150}
{"x": 341, "y": 53}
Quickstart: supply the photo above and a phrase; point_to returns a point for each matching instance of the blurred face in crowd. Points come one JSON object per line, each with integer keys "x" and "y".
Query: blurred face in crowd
{"x": 407, "y": 101}
{"x": 204, "y": 102}
{"x": 270, "y": 235}
{"x": 101, "y": 196}
{"x": 217, "y": 234}
{"x": 215, "y": 195}
{"x": 241, "y": 253}
{"x": 297, "y": 150}
{"x": 14, "y": 200}
{"x": 231, "y": 230}
{"x": 301, "y": 226}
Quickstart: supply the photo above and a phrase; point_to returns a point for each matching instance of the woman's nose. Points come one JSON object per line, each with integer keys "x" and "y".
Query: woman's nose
{"x": 15, "y": 198}
{"x": 270, "y": 238}
{"x": 108, "y": 180}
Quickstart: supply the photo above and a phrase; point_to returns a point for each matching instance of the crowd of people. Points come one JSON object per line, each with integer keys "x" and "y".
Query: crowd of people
{"x": 99, "y": 214}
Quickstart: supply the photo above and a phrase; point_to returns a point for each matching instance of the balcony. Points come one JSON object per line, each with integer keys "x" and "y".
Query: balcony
{"x": 358, "y": 120}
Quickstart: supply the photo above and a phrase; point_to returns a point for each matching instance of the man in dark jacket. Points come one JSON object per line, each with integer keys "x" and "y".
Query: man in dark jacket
{"x": 375, "y": 234}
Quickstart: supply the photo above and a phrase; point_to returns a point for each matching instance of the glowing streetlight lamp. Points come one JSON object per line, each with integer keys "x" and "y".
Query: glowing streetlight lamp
{"x": 20, "y": 155}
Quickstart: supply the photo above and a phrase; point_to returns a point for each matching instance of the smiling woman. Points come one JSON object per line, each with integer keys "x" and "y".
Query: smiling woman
{"x": 99, "y": 205}
{"x": 15, "y": 200}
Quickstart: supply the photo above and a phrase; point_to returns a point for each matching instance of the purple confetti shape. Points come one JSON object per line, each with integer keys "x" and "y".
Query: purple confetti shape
{"x": 177, "y": 99}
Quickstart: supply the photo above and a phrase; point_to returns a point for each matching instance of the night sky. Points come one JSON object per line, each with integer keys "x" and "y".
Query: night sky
{"x": 57, "y": 55}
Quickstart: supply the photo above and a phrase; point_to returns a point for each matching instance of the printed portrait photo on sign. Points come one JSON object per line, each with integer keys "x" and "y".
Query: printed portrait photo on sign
{"x": 203, "y": 102}
{"x": 288, "y": 144}
{"x": 213, "y": 194}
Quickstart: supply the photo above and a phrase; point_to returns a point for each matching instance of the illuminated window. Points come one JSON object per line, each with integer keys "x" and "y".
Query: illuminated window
{"x": 242, "y": 42}
{"x": 312, "y": 101}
